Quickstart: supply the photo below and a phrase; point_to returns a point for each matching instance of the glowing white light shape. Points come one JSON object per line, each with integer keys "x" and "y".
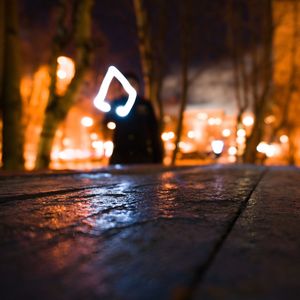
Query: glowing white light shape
{"x": 99, "y": 100}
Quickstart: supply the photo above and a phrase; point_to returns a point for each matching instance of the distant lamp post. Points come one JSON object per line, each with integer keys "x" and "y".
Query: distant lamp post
{"x": 217, "y": 147}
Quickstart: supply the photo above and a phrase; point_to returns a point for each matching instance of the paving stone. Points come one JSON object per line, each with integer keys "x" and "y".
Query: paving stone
{"x": 131, "y": 233}
{"x": 22, "y": 186}
{"x": 261, "y": 257}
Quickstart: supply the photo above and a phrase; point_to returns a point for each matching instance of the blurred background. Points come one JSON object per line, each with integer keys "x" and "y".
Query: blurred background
{"x": 223, "y": 77}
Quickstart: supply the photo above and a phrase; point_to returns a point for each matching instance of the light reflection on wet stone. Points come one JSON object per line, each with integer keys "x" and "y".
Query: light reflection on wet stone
{"x": 110, "y": 220}
{"x": 123, "y": 235}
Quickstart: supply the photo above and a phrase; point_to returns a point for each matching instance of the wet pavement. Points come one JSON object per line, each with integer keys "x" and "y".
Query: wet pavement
{"x": 210, "y": 232}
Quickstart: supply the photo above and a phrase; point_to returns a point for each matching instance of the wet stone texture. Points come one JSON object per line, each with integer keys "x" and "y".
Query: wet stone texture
{"x": 214, "y": 232}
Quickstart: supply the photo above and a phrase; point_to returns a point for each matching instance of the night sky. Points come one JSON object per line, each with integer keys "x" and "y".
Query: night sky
{"x": 115, "y": 34}
{"x": 115, "y": 21}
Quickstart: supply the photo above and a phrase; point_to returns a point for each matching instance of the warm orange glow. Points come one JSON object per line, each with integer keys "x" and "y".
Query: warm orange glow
{"x": 226, "y": 132}
{"x": 240, "y": 140}
{"x": 248, "y": 121}
{"x": 65, "y": 73}
{"x": 214, "y": 121}
{"x": 284, "y": 139}
{"x": 34, "y": 92}
{"x": 166, "y": 136}
{"x": 272, "y": 150}
{"x": 167, "y": 119}
{"x": 66, "y": 142}
{"x": 170, "y": 146}
{"x": 97, "y": 144}
{"x": 94, "y": 136}
{"x": 202, "y": 116}
{"x": 167, "y": 160}
{"x": 69, "y": 154}
{"x": 232, "y": 151}
{"x": 231, "y": 159}
{"x": 61, "y": 74}
{"x": 270, "y": 119}
{"x": 241, "y": 133}
{"x": 191, "y": 134}
{"x": 186, "y": 147}
{"x": 262, "y": 147}
{"x": 269, "y": 150}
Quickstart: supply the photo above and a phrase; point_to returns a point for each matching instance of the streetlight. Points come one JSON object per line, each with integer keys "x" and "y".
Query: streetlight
{"x": 217, "y": 147}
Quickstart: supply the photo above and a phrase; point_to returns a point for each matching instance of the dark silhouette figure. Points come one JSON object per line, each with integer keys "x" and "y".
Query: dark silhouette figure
{"x": 136, "y": 136}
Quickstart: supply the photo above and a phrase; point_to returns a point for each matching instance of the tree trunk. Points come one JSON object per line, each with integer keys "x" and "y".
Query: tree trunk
{"x": 12, "y": 151}
{"x": 252, "y": 66}
{"x": 292, "y": 147}
{"x": 184, "y": 94}
{"x": 51, "y": 124}
{"x": 59, "y": 106}
{"x": 1, "y": 66}
{"x": 289, "y": 89}
{"x": 156, "y": 87}
{"x": 1, "y": 49}
{"x": 185, "y": 57}
{"x": 254, "y": 139}
{"x": 145, "y": 45}
{"x": 151, "y": 55}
